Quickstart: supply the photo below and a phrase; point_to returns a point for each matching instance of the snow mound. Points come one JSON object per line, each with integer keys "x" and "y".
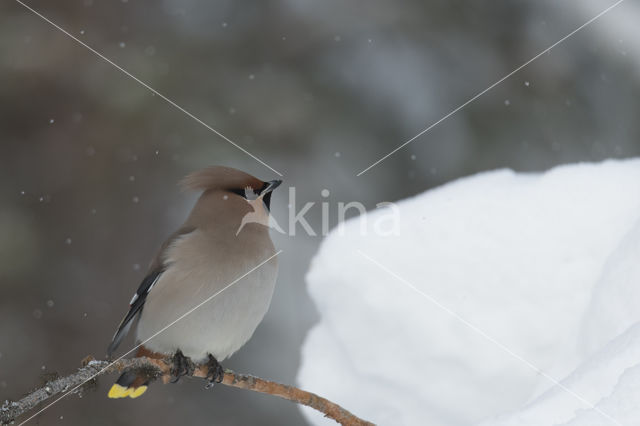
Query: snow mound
{"x": 497, "y": 287}
{"x": 609, "y": 382}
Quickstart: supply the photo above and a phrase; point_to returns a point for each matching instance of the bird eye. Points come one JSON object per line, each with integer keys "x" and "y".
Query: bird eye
{"x": 239, "y": 192}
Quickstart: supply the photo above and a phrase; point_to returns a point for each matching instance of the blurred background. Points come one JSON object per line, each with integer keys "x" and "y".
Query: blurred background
{"x": 319, "y": 90}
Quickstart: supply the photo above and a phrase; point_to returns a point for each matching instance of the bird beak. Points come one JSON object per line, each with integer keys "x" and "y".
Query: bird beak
{"x": 270, "y": 186}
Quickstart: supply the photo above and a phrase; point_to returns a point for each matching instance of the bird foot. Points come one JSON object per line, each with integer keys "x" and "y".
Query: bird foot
{"x": 215, "y": 374}
{"x": 182, "y": 366}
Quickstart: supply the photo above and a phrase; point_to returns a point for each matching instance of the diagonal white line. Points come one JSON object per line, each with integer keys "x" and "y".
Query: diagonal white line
{"x": 486, "y": 336}
{"x": 172, "y": 103}
{"x": 189, "y": 312}
{"x": 590, "y": 21}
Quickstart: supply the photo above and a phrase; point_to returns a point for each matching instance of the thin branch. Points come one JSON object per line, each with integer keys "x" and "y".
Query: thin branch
{"x": 161, "y": 369}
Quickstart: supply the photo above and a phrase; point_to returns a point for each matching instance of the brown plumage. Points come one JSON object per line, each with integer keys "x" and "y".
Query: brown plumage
{"x": 220, "y": 177}
{"x": 198, "y": 261}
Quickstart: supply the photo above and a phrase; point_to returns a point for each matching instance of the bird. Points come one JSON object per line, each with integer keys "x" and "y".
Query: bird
{"x": 257, "y": 213}
{"x": 197, "y": 262}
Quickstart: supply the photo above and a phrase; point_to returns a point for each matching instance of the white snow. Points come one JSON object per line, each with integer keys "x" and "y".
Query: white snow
{"x": 498, "y": 287}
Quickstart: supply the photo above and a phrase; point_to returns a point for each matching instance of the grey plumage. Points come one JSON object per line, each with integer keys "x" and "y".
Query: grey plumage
{"x": 199, "y": 260}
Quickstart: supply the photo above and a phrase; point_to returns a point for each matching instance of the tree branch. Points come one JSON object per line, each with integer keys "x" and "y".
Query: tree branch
{"x": 161, "y": 369}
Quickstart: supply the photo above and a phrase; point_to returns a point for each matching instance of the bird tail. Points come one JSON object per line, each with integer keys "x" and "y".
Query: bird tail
{"x": 134, "y": 383}
{"x": 130, "y": 384}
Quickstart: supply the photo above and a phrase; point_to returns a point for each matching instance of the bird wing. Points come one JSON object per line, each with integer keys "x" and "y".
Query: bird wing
{"x": 140, "y": 296}
{"x": 135, "y": 306}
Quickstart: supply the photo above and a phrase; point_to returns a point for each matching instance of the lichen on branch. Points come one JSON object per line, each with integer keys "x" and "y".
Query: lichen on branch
{"x": 62, "y": 386}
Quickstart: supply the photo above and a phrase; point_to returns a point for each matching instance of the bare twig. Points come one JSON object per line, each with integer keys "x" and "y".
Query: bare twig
{"x": 11, "y": 410}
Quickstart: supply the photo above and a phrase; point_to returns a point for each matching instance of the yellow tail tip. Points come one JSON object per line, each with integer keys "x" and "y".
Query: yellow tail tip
{"x": 136, "y": 392}
{"x": 118, "y": 391}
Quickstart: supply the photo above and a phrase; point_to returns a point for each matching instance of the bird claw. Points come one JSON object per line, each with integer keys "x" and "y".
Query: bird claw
{"x": 215, "y": 373}
{"x": 182, "y": 366}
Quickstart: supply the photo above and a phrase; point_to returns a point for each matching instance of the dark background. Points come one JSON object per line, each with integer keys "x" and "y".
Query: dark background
{"x": 89, "y": 159}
